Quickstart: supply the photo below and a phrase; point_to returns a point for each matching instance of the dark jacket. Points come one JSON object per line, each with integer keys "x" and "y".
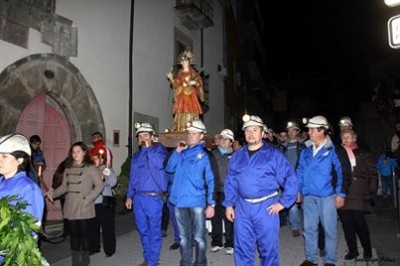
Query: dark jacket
{"x": 220, "y": 168}
{"x": 283, "y": 147}
{"x": 364, "y": 182}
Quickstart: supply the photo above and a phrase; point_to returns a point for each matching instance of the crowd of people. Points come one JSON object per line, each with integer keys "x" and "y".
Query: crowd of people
{"x": 245, "y": 191}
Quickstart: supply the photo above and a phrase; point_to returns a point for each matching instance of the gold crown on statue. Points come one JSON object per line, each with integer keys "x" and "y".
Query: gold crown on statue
{"x": 187, "y": 55}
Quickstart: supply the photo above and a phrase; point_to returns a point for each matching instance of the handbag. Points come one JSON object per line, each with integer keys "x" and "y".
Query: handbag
{"x": 108, "y": 201}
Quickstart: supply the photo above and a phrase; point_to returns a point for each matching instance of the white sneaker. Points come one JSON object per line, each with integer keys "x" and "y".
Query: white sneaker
{"x": 216, "y": 248}
{"x": 229, "y": 251}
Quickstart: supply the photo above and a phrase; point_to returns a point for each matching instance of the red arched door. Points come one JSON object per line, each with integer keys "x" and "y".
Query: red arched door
{"x": 44, "y": 117}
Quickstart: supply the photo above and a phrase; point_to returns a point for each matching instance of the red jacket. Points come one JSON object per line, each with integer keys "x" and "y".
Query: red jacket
{"x": 99, "y": 146}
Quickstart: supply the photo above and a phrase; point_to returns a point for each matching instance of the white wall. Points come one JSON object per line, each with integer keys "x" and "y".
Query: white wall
{"x": 103, "y": 60}
{"x": 213, "y": 55}
{"x": 9, "y": 53}
{"x": 103, "y": 49}
{"x": 153, "y": 57}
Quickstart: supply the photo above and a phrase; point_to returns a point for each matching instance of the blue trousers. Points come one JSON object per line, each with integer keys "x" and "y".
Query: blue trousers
{"x": 320, "y": 209}
{"x": 295, "y": 217}
{"x": 192, "y": 226}
{"x": 171, "y": 208}
{"x": 148, "y": 214}
{"x": 255, "y": 226}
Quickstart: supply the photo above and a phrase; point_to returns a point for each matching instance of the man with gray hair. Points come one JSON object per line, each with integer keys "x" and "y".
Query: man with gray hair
{"x": 324, "y": 172}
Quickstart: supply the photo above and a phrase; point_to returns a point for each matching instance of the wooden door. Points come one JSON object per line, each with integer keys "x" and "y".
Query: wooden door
{"x": 44, "y": 117}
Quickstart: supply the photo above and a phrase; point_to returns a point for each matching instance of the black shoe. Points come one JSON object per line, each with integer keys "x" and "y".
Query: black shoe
{"x": 329, "y": 264}
{"x": 109, "y": 254}
{"x": 367, "y": 254}
{"x": 174, "y": 246}
{"x": 93, "y": 252}
{"x": 351, "y": 256}
{"x": 296, "y": 233}
{"x": 308, "y": 263}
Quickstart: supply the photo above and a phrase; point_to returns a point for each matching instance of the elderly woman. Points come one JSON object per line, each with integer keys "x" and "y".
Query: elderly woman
{"x": 364, "y": 183}
{"x": 82, "y": 183}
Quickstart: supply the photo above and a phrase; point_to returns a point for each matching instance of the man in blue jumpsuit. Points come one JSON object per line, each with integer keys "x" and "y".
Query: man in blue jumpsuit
{"x": 147, "y": 187}
{"x": 192, "y": 193}
{"x": 255, "y": 174}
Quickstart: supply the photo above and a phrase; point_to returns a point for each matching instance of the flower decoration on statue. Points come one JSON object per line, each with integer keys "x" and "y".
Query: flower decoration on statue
{"x": 188, "y": 124}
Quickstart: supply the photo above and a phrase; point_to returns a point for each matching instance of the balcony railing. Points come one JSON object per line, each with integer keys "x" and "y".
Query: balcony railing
{"x": 195, "y": 14}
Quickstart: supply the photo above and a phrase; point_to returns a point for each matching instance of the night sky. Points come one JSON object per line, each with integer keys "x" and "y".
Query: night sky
{"x": 337, "y": 41}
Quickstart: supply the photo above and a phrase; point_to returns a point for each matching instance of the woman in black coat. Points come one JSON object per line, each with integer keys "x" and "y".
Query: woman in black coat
{"x": 364, "y": 184}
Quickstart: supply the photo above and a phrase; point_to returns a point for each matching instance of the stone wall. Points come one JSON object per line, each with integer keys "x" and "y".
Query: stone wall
{"x": 58, "y": 78}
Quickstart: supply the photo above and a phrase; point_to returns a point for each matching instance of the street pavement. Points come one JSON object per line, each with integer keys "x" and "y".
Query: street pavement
{"x": 384, "y": 235}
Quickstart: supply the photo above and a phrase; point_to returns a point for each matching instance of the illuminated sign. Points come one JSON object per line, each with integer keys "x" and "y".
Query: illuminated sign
{"x": 392, "y": 3}
{"x": 394, "y": 32}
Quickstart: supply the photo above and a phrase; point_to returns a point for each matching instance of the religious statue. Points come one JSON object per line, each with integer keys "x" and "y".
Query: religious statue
{"x": 188, "y": 90}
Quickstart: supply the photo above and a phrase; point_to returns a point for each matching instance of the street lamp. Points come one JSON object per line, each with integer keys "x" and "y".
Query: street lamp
{"x": 392, "y": 3}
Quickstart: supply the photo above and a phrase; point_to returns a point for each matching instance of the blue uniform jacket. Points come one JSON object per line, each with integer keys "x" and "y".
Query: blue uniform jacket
{"x": 192, "y": 178}
{"x": 385, "y": 165}
{"x": 262, "y": 174}
{"x": 321, "y": 175}
{"x": 147, "y": 172}
{"x": 23, "y": 187}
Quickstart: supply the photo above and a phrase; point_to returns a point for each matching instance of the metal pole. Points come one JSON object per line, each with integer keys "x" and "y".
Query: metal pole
{"x": 130, "y": 105}
{"x": 394, "y": 192}
{"x": 398, "y": 205}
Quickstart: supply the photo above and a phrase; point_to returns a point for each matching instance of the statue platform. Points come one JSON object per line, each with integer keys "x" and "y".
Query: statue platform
{"x": 171, "y": 139}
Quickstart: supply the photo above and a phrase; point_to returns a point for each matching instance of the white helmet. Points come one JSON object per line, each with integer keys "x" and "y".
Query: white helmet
{"x": 15, "y": 142}
{"x": 144, "y": 127}
{"x": 318, "y": 121}
{"x": 227, "y": 133}
{"x": 291, "y": 124}
{"x": 253, "y": 120}
{"x": 196, "y": 126}
{"x": 345, "y": 122}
